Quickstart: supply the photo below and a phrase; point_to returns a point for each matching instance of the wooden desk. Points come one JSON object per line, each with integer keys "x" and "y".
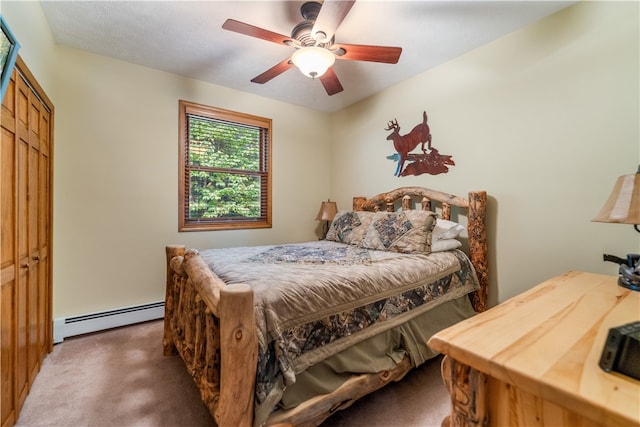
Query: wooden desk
{"x": 533, "y": 360}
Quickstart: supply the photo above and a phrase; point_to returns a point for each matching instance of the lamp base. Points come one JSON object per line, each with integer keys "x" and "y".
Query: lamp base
{"x": 629, "y": 270}
{"x": 630, "y": 277}
{"x": 325, "y": 230}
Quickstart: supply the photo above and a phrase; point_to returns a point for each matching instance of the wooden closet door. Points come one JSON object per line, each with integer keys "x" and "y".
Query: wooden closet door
{"x": 41, "y": 258}
{"x": 8, "y": 261}
{"x": 37, "y": 229}
{"x": 25, "y": 308}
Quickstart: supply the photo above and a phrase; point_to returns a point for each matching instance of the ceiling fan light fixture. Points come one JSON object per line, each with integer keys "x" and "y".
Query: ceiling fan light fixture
{"x": 313, "y": 61}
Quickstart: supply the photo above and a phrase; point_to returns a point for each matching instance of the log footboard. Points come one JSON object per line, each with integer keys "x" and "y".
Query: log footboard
{"x": 212, "y": 325}
{"x": 213, "y": 328}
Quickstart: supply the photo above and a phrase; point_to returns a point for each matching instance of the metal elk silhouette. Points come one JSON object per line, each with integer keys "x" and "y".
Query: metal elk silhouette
{"x": 431, "y": 161}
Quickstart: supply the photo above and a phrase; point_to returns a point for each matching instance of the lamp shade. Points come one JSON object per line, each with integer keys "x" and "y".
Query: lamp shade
{"x": 313, "y": 61}
{"x": 327, "y": 211}
{"x": 623, "y": 205}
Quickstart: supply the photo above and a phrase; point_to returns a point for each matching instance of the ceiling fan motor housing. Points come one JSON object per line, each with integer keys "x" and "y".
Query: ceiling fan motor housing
{"x": 302, "y": 31}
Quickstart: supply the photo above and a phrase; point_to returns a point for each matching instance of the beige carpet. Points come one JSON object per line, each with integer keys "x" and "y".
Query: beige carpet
{"x": 120, "y": 378}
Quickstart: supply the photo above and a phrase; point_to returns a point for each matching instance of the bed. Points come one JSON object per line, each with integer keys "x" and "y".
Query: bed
{"x": 289, "y": 334}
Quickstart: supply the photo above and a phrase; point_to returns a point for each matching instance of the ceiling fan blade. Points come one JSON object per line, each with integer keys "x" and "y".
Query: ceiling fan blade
{"x": 330, "y": 82}
{"x": 330, "y": 17}
{"x": 260, "y": 33}
{"x": 274, "y": 71}
{"x": 360, "y": 52}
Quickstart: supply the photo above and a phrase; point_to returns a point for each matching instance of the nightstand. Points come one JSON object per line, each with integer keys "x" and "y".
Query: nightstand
{"x": 533, "y": 360}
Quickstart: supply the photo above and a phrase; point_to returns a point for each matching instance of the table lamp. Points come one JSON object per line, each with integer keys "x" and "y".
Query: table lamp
{"x": 326, "y": 213}
{"x": 623, "y": 207}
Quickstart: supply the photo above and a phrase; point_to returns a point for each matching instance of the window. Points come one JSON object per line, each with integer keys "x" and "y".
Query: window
{"x": 225, "y": 169}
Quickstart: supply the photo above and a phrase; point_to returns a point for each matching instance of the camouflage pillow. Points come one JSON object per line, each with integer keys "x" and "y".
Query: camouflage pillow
{"x": 349, "y": 227}
{"x": 406, "y": 232}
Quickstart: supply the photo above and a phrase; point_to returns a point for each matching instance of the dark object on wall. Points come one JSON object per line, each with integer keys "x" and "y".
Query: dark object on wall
{"x": 431, "y": 161}
{"x": 621, "y": 351}
{"x": 9, "y": 47}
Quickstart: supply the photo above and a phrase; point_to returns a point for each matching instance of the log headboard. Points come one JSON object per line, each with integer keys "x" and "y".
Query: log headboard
{"x": 475, "y": 207}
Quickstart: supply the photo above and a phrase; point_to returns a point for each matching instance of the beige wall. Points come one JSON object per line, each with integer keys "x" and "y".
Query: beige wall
{"x": 544, "y": 119}
{"x": 117, "y": 177}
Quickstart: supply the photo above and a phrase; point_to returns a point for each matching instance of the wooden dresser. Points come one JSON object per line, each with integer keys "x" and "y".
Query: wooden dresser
{"x": 533, "y": 360}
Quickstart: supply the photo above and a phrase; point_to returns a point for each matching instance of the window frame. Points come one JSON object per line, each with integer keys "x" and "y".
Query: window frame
{"x": 187, "y": 108}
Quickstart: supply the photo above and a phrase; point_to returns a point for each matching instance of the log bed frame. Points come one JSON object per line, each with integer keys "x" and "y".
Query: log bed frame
{"x": 212, "y": 325}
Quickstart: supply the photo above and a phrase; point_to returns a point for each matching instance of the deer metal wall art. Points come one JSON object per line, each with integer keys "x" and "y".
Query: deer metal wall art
{"x": 429, "y": 161}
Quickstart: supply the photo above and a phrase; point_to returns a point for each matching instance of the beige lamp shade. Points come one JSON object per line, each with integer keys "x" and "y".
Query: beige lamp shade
{"x": 623, "y": 205}
{"x": 327, "y": 211}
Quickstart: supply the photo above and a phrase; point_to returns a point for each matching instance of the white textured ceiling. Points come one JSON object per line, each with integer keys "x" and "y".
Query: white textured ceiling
{"x": 186, "y": 38}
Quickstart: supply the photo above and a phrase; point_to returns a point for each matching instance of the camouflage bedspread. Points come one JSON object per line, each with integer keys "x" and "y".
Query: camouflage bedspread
{"x": 314, "y": 299}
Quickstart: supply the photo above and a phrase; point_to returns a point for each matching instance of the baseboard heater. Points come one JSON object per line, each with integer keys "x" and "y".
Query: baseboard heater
{"x": 64, "y": 327}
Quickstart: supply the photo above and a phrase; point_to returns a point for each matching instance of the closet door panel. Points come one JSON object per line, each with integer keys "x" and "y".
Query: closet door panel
{"x": 7, "y": 341}
{"x": 33, "y": 273}
{"x": 22, "y": 273}
{"x": 33, "y": 201}
{"x": 7, "y": 198}
{"x": 8, "y": 115}
{"x": 22, "y": 133}
{"x": 8, "y": 227}
{"x": 42, "y": 262}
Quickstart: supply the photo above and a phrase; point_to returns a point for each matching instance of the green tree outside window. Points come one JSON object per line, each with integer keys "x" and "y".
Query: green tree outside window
{"x": 225, "y": 169}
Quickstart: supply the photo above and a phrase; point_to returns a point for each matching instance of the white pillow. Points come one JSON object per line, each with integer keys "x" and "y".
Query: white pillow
{"x": 445, "y": 245}
{"x": 445, "y": 229}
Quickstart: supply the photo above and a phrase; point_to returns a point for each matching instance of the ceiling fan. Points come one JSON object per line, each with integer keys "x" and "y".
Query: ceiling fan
{"x": 315, "y": 45}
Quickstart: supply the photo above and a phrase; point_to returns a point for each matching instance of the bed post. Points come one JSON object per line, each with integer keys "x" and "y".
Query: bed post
{"x": 168, "y": 346}
{"x": 239, "y": 356}
{"x": 358, "y": 202}
{"x": 478, "y": 246}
